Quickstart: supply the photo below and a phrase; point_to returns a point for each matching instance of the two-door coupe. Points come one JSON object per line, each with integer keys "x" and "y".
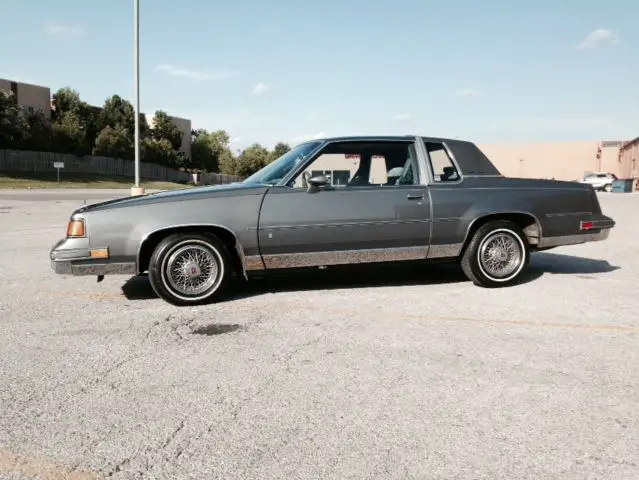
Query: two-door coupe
{"x": 334, "y": 201}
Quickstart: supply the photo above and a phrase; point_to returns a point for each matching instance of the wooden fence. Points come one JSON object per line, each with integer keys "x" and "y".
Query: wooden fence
{"x": 42, "y": 162}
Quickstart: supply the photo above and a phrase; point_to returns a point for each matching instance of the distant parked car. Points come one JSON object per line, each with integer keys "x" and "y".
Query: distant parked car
{"x": 448, "y": 203}
{"x": 600, "y": 180}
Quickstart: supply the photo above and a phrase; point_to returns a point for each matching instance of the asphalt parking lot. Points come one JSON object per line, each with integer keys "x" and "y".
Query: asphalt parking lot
{"x": 385, "y": 374}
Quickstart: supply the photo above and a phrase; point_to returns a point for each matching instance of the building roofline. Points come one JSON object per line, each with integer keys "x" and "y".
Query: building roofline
{"x": 629, "y": 143}
{"x": 26, "y": 83}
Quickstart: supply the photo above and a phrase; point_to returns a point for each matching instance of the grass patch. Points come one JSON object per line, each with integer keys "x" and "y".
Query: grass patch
{"x": 18, "y": 180}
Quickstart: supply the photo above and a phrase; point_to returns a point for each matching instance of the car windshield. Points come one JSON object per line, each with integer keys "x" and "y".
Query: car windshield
{"x": 279, "y": 168}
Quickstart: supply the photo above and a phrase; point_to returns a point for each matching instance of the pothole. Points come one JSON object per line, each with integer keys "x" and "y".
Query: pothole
{"x": 216, "y": 329}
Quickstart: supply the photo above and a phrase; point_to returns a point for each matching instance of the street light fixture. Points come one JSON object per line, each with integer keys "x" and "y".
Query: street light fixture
{"x": 136, "y": 189}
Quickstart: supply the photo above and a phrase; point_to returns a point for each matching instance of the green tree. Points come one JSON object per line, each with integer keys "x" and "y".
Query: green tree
{"x": 280, "y": 149}
{"x": 70, "y": 134}
{"x": 210, "y": 151}
{"x": 251, "y": 160}
{"x": 228, "y": 164}
{"x": 119, "y": 116}
{"x": 74, "y": 121}
{"x": 39, "y": 135}
{"x": 114, "y": 142}
{"x": 14, "y": 126}
{"x": 119, "y": 112}
{"x": 159, "y": 151}
{"x": 165, "y": 129}
{"x": 65, "y": 100}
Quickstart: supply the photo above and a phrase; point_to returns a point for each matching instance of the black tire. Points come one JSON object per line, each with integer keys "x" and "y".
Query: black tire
{"x": 607, "y": 187}
{"x": 478, "y": 272}
{"x": 214, "y": 258}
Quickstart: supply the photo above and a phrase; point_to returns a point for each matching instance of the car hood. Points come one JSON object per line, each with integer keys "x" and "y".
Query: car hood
{"x": 177, "y": 195}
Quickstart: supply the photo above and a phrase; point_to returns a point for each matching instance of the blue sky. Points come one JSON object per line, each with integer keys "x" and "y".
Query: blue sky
{"x": 489, "y": 71}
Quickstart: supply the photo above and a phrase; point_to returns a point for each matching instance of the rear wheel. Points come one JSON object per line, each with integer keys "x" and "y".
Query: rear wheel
{"x": 497, "y": 254}
{"x": 608, "y": 187}
{"x": 189, "y": 268}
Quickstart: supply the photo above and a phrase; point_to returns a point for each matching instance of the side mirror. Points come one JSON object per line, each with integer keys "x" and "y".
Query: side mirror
{"x": 316, "y": 182}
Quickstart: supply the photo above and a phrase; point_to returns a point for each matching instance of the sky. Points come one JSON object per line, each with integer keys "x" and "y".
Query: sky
{"x": 491, "y": 71}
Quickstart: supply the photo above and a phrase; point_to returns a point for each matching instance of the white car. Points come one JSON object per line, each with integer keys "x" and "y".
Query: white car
{"x": 600, "y": 180}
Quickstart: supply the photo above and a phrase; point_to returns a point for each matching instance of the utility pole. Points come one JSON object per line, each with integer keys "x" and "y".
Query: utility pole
{"x": 136, "y": 190}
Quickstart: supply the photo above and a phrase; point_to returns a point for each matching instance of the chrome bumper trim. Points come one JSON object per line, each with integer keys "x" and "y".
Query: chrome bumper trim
{"x": 81, "y": 267}
{"x": 574, "y": 239}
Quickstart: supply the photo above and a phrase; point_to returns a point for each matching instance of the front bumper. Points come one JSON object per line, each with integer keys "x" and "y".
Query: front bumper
{"x": 71, "y": 257}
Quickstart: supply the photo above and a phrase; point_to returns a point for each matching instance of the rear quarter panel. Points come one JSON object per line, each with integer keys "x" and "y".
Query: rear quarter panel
{"x": 557, "y": 206}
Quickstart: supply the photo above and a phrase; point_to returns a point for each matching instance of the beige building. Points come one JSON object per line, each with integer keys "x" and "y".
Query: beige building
{"x": 29, "y": 96}
{"x": 184, "y": 125}
{"x": 558, "y": 160}
{"x": 628, "y": 157}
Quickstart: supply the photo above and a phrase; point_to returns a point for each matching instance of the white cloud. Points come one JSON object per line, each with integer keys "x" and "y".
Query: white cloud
{"x": 260, "y": 88}
{"x": 60, "y": 29}
{"x": 466, "y": 93}
{"x": 402, "y": 116}
{"x": 597, "y": 37}
{"x": 196, "y": 75}
{"x": 307, "y": 136}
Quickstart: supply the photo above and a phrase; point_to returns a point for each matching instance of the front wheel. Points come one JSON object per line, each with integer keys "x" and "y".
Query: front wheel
{"x": 608, "y": 187}
{"x": 497, "y": 254}
{"x": 189, "y": 268}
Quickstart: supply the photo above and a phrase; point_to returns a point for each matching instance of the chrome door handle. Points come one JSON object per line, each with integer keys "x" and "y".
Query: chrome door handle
{"x": 415, "y": 196}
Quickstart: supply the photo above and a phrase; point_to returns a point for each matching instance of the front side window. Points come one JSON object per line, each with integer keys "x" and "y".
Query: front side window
{"x": 275, "y": 171}
{"x": 362, "y": 164}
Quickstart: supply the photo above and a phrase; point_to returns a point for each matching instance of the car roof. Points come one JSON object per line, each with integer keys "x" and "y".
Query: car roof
{"x": 469, "y": 158}
{"x": 364, "y": 138}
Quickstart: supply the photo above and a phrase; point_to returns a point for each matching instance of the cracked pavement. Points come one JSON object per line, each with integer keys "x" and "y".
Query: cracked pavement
{"x": 383, "y": 373}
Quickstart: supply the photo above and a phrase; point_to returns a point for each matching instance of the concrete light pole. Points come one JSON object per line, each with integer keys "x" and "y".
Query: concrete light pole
{"x": 136, "y": 189}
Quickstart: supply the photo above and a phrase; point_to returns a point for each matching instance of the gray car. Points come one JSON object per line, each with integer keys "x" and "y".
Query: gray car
{"x": 334, "y": 201}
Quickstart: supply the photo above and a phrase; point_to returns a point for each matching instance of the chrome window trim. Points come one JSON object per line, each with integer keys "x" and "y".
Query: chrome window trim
{"x": 325, "y": 143}
{"x": 450, "y": 156}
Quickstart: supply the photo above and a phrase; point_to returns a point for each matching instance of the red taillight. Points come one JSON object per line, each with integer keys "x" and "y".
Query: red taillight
{"x": 586, "y": 225}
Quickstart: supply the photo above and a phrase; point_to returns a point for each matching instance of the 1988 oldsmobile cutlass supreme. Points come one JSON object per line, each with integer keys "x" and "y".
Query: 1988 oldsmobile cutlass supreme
{"x": 334, "y": 201}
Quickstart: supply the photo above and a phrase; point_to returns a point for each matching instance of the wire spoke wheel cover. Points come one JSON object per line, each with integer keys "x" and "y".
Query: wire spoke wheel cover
{"x": 192, "y": 268}
{"x": 501, "y": 254}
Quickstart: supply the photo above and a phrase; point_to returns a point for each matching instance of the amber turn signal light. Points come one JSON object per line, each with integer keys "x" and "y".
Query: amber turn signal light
{"x": 75, "y": 228}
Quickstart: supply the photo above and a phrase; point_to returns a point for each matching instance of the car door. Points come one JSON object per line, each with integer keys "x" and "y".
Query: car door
{"x": 344, "y": 224}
